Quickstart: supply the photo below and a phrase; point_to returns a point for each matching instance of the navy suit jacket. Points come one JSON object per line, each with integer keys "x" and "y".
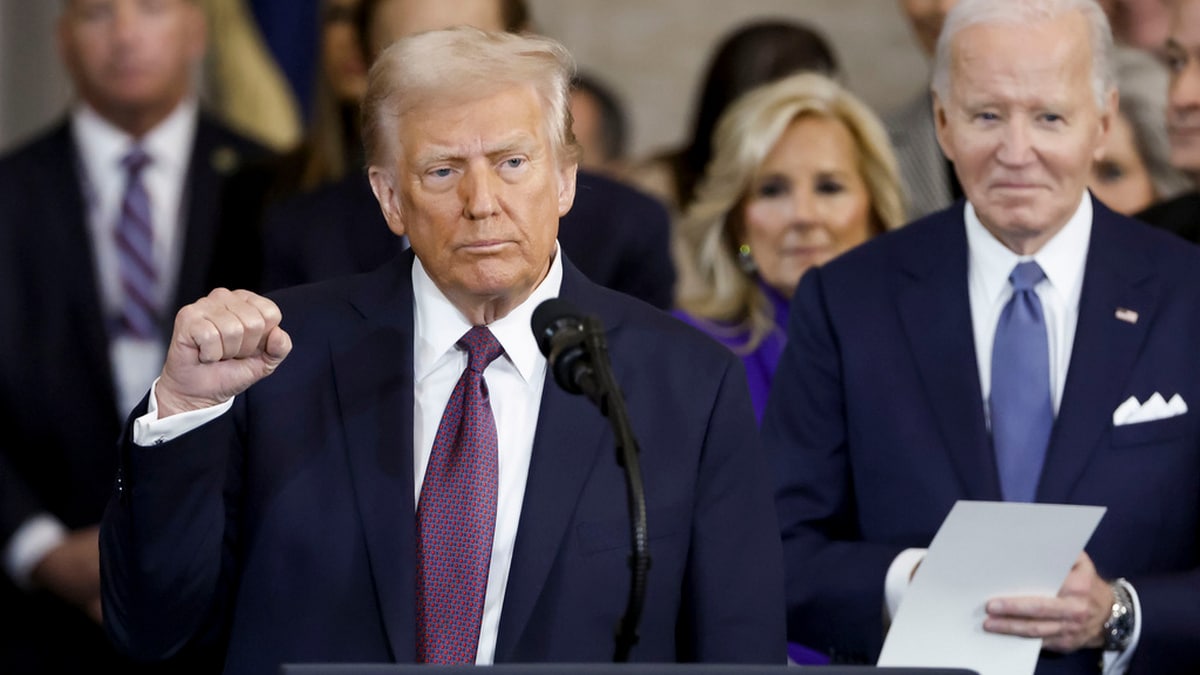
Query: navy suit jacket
{"x": 617, "y": 236}
{"x": 58, "y": 407}
{"x": 286, "y": 527}
{"x": 876, "y": 427}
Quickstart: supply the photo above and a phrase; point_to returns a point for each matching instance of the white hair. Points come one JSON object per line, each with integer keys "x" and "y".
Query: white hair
{"x": 969, "y": 13}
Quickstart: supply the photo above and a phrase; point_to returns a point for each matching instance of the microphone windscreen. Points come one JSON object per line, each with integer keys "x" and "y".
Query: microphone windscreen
{"x": 546, "y": 318}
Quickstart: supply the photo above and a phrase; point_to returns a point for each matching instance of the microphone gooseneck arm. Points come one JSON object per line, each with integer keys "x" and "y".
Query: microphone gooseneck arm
{"x": 601, "y": 387}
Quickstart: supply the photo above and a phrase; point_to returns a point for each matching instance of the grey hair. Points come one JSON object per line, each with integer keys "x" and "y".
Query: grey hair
{"x": 465, "y": 63}
{"x": 969, "y": 13}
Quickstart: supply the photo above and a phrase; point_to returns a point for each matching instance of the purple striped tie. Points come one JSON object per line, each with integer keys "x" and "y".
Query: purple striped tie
{"x": 135, "y": 253}
{"x": 456, "y": 517}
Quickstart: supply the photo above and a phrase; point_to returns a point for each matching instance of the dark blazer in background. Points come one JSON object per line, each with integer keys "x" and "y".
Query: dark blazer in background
{"x": 616, "y": 235}
{"x": 1180, "y": 215}
{"x": 876, "y": 426}
{"x": 57, "y": 403}
{"x": 291, "y": 518}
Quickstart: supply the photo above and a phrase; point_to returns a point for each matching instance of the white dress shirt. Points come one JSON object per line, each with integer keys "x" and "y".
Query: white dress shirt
{"x": 102, "y": 146}
{"x": 515, "y": 382}
{"x": 135, "y": 363}
{"x": 989, "y": 265}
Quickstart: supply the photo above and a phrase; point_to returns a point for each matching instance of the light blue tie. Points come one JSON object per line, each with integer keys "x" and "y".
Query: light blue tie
{"x": 1021, "y": 411}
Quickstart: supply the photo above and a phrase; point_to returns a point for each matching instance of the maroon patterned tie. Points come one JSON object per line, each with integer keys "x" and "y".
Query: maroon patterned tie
{"x": 457, "y": 514}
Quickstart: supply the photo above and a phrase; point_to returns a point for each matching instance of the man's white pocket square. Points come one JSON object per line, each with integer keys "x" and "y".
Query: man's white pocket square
{"x": 1155, "y": 408}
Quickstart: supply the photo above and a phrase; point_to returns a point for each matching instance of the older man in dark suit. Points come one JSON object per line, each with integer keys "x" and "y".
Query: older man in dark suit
{"x": 108, "y": 219}
{"x": 409, "y": 484}
{"x": 1026, "y": 345}
{"x": 616, "y": 235}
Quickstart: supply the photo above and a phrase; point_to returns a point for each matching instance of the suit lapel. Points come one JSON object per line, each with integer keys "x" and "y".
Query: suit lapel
{"x": 935, "y": 312}
{"x": 1116, "y": 275}
{"x": 212, "y": 158}
{"x": 571, "y": 437}
{"x": 75, "y": 272}
{"x": 373, "y": 374}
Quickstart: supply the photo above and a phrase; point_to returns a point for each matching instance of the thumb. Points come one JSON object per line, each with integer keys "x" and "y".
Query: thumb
{"x": 278, "y": 345}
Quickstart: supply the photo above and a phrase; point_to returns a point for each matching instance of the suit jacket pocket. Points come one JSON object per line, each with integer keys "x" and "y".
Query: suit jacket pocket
{"x": 603, "y": 535}
{"x": 1152, "y": 432}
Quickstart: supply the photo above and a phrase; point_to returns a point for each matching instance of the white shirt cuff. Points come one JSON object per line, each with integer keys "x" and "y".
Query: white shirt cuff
{"x": 898, "y": 575}
{"x": 29, "y": 544}
{"x": 149, "y": 430}
{"x": 1116, "y": 663}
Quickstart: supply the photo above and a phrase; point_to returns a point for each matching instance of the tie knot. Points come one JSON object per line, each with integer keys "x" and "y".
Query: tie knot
{"x": 135, "y": 160}
{"x": 482, "y": 348}
{"x": 1025, "y": 276}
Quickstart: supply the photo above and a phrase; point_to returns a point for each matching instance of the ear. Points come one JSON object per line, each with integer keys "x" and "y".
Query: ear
{"x": 1108, "y": 117}
{"x": 384, "y": 187}
{"x": 941, "y": 123}
{"x": 566, "y": 188}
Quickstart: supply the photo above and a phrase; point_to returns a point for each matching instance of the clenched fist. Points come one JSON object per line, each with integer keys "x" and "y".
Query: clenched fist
{"x": 221, "y": 344}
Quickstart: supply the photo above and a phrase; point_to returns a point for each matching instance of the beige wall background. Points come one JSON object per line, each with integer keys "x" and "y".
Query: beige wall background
{"x": 651, "y": 52}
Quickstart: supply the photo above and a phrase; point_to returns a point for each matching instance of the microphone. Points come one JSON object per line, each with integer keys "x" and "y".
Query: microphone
{"x": 562, "y": 335}
{"x": 576, "y": 348}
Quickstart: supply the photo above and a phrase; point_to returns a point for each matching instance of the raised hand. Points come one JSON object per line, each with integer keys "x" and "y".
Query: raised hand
{"x": 221, "y": 344}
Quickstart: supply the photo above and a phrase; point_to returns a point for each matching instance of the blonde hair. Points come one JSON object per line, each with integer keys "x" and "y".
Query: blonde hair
{"x": 714, "y": 287}
{"x": 466, "y": 63}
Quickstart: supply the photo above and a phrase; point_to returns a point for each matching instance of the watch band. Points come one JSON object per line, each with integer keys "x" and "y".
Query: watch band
{"x": 1118, "y": 628}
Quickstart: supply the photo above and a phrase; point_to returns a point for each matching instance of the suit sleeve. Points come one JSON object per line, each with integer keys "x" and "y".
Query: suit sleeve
{"x": 835, "y": 580}
{"x": 165, "y": 542}
{"x": 735, "y": 574}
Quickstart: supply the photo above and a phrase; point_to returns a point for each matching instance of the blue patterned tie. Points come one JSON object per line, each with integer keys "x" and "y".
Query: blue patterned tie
{"x": 1021, "y": 411}
{"x": 135, "y": 253}
{"x": 456, "y": 516}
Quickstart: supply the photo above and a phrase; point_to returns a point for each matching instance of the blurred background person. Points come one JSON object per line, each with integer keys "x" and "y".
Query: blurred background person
{"x": 1140, "y": 24}
{"x": 1181, "y": 215}
{"x": 330, "y": 149}
{"x": 753, "y": 54}
{"x": 1135, "y": 171}
{"x": 600, "y": 125}
{"x": 929, "y": 180}
{"x": 109, "y": 219}
{"x": 802, "y": 171}
{"x": 616, "y": 235}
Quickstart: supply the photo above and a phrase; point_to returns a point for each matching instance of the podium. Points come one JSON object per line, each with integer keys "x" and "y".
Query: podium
{"x": 601, "y": 669}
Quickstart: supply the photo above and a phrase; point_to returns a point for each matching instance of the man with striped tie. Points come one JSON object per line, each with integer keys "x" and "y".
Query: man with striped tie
{"x": 109, "y": 218}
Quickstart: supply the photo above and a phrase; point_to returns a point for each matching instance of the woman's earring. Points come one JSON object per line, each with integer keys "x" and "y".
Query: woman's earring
{"x": 745, "y": 260}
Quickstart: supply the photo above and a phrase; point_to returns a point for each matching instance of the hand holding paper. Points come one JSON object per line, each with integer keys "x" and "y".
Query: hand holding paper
{"x": 983, "y": 552}
{"x": 1072, "y": 620}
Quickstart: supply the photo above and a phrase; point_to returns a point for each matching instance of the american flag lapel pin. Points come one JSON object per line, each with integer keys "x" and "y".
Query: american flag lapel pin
{"x": 1127, "y": 315}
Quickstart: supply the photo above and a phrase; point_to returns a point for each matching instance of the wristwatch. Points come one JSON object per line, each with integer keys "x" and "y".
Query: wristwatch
{"x": 1118, "y": 629}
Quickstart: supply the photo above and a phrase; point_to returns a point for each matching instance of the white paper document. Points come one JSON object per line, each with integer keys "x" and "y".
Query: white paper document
{"x": 985, "y": 550}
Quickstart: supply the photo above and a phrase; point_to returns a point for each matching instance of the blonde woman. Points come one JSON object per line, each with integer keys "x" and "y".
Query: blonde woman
{"x": 802, "y": 171}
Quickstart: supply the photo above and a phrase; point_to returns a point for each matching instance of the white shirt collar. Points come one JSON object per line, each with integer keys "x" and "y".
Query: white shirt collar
{"x": 439, "y": 324}
{"x": 1062, "y": 258}
{"x": 102, "y": 145}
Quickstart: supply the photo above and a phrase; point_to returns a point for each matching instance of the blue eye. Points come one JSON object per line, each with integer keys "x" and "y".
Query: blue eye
{"x": 441, "y": 173}
{"x": 1052, "y": 117}
{"x": 988, "y": 116}
{"x": 514, "y": 162}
